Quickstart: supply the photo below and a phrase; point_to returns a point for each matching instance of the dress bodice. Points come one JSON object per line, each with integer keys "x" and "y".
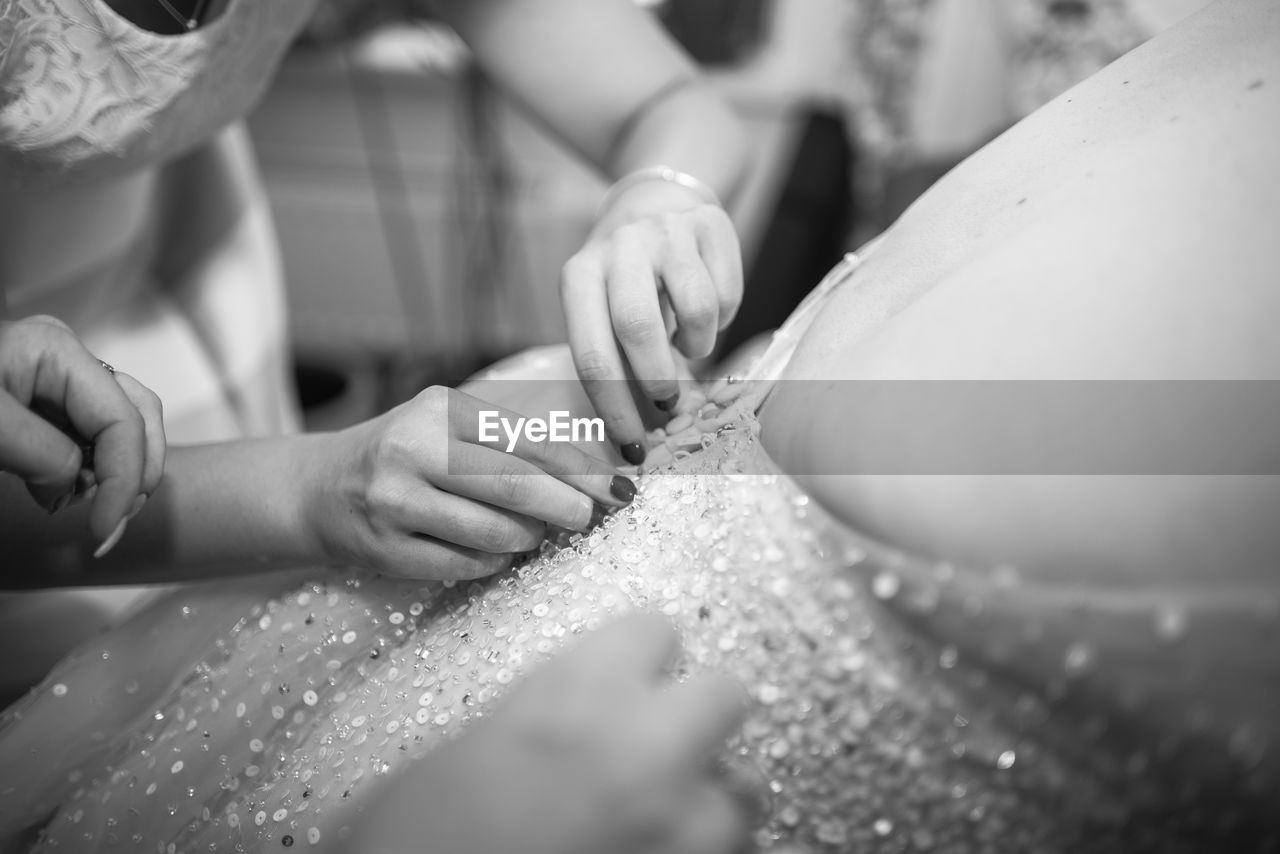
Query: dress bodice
{"x": 876, "y": 729}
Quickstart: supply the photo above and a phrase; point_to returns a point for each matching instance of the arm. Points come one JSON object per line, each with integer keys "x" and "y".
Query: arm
{"x": 604, "y": 77}
{"x": 662, "y": 263}
{"x": 411, "y": 493}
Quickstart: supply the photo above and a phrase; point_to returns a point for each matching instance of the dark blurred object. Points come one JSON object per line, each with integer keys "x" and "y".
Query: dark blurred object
{"x": 716, "y": 32}
{"x": 807, "y": 234}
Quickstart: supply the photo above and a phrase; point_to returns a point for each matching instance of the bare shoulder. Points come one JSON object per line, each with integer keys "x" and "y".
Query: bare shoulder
{"x": 1125, "y": 231}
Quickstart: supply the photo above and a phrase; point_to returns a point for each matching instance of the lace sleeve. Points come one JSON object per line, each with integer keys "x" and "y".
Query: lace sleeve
{"x": 85, "y": 93}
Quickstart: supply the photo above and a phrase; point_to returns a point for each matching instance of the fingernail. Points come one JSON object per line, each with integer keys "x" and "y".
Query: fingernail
{"x": 622, "y": 489}
{"x": 668, "y": 404}
{"x": 138, "y": 504}
{"x": 110, "y": 542}
{"x": 633, "y": 453}
{"x": 61, "y": 501}
{"x": 597, "y": 517}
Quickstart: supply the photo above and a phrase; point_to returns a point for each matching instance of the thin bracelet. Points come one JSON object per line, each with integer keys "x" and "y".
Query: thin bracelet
{"x": 658, "y": 173}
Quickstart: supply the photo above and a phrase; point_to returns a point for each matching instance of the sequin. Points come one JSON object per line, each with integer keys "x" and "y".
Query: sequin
{"x": 1079, "y": 659}
{"x": 885, "y": 585}
{"x": 866, "y": 744}
{"x": 1170, "y": 624}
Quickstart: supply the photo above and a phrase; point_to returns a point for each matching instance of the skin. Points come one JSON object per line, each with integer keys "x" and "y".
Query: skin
{"x": 594, "y": 752}
{"x": 1126, "y": 231}
{"x": 659, "y": 262}
{"x": 43, "y": 365}
{"x": 661, "y": 265}
{"x": 380, "y": 495}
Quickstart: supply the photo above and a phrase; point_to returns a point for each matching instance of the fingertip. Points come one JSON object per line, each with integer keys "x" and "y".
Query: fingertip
{"x": 696, "y": 345}
{"x": 669, "y": 403}
{"x": 622, "y": 488}
{"x": 111, "y": 539}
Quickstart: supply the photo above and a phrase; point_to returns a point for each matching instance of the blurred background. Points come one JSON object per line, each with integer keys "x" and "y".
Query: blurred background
{"x": 424, "y": 220}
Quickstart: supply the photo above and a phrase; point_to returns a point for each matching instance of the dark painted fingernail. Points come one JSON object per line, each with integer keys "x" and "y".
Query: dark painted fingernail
{"x": 668, "y": 404}
{"x": 597, "y": 517}
{"x": 622, "y": 488}
{"x": 633, "y": 453}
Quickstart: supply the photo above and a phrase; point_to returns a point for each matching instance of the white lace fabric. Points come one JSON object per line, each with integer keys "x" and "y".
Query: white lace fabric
{"x": 86, "y": 94}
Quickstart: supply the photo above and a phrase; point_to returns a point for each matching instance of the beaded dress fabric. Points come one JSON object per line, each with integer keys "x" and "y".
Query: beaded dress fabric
{"x": 874, "y": 730}
{"x": 85, "y": 93}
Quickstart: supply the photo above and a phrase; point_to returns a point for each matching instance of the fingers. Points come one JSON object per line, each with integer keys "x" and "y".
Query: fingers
{"x": 635, "y": 314}
{"x": 596, "y": 356}
{"x": 511, "y": 478}
{"x": 149, "y": 407}
{"x": 47, "y": 369}
{"x": 36, "y": 451}
{"x": 615, "y": 292}
{"x": 469, "y": 524}
{"x": 118, "y": 434}
{"x": 437, "y": 560}
{"x": 508, "y": 482}
{"x": 695, "y": 301}
{"x": 719, "y": 249}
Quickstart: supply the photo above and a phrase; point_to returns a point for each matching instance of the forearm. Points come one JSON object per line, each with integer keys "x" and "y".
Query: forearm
{"x": 605, "y": 78}
{"x": 223, "y": 509}
{"x": 691, "y": 130}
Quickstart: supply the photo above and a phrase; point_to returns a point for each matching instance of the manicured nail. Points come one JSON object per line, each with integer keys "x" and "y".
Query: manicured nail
{"x": 622, "y": 489}
{"x": 633, "y": 453}
{"x": 137, "y": 505}
{"x": 110, "y": 542}
{"x": 61, "y": 501}
{"x": 668, "y": 404}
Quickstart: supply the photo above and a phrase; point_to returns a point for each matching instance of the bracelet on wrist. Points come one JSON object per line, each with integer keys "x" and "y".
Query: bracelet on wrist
{"x": 658, "y": 173}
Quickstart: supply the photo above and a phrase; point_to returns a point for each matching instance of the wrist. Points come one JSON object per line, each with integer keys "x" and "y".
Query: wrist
{"x": 652, "y": 190}
{"x": 305, "y": 509}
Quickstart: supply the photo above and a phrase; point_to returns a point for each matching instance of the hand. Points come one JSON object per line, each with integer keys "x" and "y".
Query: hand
{"x": 55, "y": 399}
{"x": 593, "y": 753}
{"x": 630, "y": 288}
{"x": 416, "y": 494}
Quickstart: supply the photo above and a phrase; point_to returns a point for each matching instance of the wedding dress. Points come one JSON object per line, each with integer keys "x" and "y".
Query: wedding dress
{"x": 251, "y": 719}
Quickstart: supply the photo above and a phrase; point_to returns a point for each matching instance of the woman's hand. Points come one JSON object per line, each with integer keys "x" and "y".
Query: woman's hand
{"x": 594, "y": 752}
{"x": 73, "y": 429}
{"x": 416, "y": 493}
{"x": 636, "y": 289}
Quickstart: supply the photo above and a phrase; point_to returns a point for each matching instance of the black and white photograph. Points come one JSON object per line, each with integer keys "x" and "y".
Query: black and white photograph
{"x": 640, "y": 426}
